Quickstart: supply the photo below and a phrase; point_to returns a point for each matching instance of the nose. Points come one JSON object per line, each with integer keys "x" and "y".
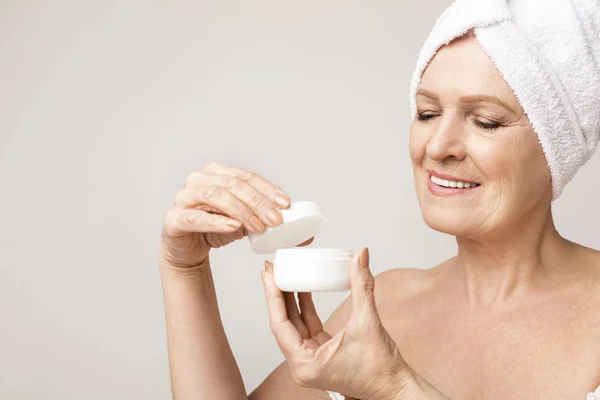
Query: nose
{"x": 447, "y": 140}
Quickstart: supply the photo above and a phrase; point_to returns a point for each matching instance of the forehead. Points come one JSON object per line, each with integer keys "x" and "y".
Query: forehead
{"x": 463, "y": 68}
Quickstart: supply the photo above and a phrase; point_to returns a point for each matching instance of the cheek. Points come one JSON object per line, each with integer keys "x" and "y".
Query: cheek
{"x": 500, "y": 161}
{"x": 517, "y": 163}
{"x": 417, "y": 144}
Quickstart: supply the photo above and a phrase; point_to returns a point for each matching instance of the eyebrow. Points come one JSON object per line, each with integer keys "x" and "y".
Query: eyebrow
{"x": 469, "y": 99}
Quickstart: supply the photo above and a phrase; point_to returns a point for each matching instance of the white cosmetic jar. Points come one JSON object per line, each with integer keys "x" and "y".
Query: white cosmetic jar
{"x": 303, "y": 269}
{"x": 312, "y": 270}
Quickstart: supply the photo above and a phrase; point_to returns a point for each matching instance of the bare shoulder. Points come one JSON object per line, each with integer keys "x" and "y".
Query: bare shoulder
{"x": 595, "y": 257}
{"x": 407, "y": 296}
{"x": 403, "y": 283}
{"x": 392, "y": 287}
{"x": 594, "y": 263}
{"x": 589, "y": 259}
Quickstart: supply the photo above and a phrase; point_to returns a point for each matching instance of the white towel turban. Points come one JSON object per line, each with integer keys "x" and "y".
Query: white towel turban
{"x": 548, "y": 51}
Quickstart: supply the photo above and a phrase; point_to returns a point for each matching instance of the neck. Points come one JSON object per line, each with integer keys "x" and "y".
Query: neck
{"x": 495, "y": 270}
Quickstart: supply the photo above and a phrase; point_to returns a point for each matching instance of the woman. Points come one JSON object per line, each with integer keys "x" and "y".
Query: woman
{"x": 500, "y": 126}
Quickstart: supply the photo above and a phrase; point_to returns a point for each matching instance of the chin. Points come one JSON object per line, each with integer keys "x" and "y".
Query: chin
{"x": 451, "y": 222}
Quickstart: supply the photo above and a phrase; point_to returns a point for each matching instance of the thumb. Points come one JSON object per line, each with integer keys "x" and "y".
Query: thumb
{"x": 362, "y": 282}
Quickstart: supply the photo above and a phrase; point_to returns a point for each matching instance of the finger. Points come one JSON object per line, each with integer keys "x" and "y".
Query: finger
{"x": 269, "y": 189}
{"x": 291, "y": 307}
{"x": 180, "y": 221}
{"x": 309, "y": 241}
{"x": 217, "y": 240}
{"x": 261, "y": 204}
{"x": 294, "y": 315}
{"x": 214, "y": 197}
{"x": 287, "y": 336}
{"x": 309, "y": 315}
{"x": 362, "y": 282}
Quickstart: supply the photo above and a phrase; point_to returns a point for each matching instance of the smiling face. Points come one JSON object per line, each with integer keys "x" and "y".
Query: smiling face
{"x": 478, "y": 165}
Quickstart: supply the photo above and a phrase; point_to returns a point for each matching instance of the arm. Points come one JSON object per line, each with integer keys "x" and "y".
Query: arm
{"x": 218, "y": 205}
{"x": 201, "y": 363}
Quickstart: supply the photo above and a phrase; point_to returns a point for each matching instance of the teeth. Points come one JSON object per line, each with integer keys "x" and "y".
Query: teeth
{"x": 452, "y": 184}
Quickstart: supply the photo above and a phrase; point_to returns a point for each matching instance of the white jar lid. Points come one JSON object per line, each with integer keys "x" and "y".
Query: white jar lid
{"x": 301, "y": 221}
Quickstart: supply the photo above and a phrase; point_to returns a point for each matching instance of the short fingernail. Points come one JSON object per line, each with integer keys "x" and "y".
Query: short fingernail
{"x": 269, "y": 266}
{"x": 262, "y": 275}
{"x": 257, "y": 224}
{"x": 274, "y": 216}
{"x": 363, "y": 258}
{"x": 282, "y": 201}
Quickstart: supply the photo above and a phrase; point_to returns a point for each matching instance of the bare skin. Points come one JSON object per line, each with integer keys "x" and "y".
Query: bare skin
{"x": 513, "y": 316}
{"x": 540, "y": 344}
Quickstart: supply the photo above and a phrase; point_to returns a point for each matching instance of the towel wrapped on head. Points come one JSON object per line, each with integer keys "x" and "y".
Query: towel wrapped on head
{"x": 548, "y": 51}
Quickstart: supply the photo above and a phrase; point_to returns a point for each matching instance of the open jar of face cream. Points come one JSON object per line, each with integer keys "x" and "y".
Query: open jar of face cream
{"x": 303, "y": 269}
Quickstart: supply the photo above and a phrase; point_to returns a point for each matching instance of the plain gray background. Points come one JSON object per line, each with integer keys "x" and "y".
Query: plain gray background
{"x": 106, "y": 106}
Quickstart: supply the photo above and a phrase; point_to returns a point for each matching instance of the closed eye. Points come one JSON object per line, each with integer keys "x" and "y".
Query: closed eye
{"x": 487, "y": 125}
{"x": 426, "y": 117}
{"x": 481, "y": 124}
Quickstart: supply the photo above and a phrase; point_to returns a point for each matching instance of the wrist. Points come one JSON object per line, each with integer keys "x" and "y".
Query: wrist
{"x": 411, "y": 388}
{"x": 415, "y": 387}
{"x": 406, "y": 386}
{"x": 187, "y": 287}
{"x": 398, "y": 385}
{"x": 196, "y": 273}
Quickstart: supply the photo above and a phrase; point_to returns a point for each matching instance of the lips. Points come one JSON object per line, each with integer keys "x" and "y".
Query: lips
{"x": 443, "y": 177}
{"x": 447, "y": 185}
{"x": 452, "y": 183}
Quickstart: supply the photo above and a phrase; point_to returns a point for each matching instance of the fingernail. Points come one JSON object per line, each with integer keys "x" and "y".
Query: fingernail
{"x": 363, "y": 258}
{"x": 274, "y": 216}
{"x": 233, "y": 223}
{"x": 282, "y": 201}
{"x": 257, "y": 224}
{"x": 262, "y": 275}
{"x": 269, "y": 267}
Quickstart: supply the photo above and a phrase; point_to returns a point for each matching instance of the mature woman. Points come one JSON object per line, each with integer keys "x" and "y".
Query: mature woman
{"x": 506, "y": 107}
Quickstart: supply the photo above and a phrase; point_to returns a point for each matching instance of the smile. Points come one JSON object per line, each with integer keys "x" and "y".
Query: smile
{"x": 448, "y": 186}
{"x": 452, "y": 184}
